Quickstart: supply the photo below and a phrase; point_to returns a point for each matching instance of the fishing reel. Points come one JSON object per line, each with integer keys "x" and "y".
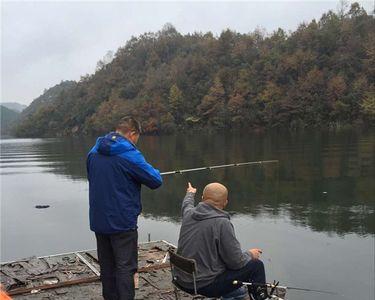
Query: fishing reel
{"x": 276, "y": 291}
{"x": 272, "y": 291}
{"x": 266, "y": 290}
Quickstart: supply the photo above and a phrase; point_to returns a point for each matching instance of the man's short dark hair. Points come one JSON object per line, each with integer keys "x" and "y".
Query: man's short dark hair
{"x": 129, "y": 123}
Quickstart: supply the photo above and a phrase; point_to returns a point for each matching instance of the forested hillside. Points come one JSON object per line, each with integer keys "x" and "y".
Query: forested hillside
{"x": 321, "y": 75}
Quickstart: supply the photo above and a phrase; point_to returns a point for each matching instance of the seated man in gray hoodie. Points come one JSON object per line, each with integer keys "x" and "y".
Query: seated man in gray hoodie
{"x": 207, "y": 235}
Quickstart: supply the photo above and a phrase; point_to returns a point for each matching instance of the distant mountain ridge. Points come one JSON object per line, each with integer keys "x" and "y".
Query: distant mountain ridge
{"x": 321, "y": 75}
{"x": 8, "y": 119}
{"x": 48, "y": 97}
{"x": 14, "y": 106}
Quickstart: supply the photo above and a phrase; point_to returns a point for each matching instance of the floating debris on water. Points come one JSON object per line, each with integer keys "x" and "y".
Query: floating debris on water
{"x": 41, "y": 206}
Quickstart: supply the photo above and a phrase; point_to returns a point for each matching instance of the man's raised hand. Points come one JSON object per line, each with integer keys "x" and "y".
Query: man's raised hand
{"x": 191, "y": 189}
{"x": 255, "y": 253}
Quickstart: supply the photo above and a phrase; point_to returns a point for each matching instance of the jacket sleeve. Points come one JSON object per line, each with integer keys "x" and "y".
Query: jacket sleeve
{"x": 87, "y": 167}
{"x": 93, "y": 150}
{"x": 230, "y": 249}
{"x": 143, "y": 172}
{"x": 187, "y": 203}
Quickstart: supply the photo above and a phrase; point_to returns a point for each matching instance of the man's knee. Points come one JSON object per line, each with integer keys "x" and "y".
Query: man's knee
{"x": 127, "y": 264}
{"x": 126, "y": 269}
{"x": 256, "y": 264}
{"x": 259, "y": 263}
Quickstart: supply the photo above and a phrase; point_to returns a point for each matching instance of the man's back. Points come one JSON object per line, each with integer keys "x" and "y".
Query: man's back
{"x": 207, "y": 236}
{"x": 116, "y": 170}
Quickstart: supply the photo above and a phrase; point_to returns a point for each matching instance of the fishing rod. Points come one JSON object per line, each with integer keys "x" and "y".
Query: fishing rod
{"x": 276, "y": 285}
{"x": 260, "y": 162}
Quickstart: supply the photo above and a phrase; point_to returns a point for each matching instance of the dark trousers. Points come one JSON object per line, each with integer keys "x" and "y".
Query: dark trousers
{"x": 253, "y": 271}
{"x": 118, "y": 259}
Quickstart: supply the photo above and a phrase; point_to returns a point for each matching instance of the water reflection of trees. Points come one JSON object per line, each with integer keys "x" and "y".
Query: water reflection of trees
{"x": 323, "y": 180}
{"x": 347, "y": 206}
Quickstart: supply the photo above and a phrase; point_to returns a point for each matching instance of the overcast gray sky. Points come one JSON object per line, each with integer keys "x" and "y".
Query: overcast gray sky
{"x": 43, "y": 43}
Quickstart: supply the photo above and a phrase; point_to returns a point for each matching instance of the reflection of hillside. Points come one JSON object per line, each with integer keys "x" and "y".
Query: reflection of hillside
{"x": 342, "y": 165}
{"x": 302, "y": 157}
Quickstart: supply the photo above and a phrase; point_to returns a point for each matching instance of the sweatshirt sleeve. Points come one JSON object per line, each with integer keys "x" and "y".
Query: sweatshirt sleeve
{"x": 143, "y": 172}
{"x": 187, "y": 203}
{"x": 230, "y": 249}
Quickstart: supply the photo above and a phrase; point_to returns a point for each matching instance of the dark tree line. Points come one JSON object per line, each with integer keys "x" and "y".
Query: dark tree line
{"x": 321, "y": 75}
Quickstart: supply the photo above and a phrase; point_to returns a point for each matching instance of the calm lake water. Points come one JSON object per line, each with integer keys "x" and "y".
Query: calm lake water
{"x": 313, "y": 214}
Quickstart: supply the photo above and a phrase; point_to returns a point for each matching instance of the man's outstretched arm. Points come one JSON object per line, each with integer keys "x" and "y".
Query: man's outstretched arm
{"x": 143, "y": 172}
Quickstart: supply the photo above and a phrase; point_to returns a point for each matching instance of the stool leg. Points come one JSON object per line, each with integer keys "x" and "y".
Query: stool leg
{"x": 175, "y": 293}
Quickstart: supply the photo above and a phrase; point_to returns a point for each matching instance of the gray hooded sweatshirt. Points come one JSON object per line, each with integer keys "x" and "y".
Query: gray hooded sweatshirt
{"x": 207, "y": 235}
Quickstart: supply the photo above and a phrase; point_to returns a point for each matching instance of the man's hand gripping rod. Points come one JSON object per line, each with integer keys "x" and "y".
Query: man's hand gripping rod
{"x": 219, "y": 167}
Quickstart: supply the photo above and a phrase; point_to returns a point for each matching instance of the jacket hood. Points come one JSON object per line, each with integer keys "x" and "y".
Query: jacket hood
{"x": 204, "y": 211}
{"x": 113, "y": 144}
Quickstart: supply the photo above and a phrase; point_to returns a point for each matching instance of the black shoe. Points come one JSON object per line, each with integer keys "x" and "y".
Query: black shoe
{"x": 260, "y": 293}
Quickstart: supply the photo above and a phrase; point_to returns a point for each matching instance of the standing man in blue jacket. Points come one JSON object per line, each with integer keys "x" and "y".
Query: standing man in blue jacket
{"x": 116, "y": 169}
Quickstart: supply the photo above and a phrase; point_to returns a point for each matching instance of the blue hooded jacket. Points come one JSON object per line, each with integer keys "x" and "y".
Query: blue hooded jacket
{"x": 116, "y": 169}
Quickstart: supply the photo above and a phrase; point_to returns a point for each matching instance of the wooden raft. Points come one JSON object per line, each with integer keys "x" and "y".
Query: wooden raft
{"x": 76, "y": 275}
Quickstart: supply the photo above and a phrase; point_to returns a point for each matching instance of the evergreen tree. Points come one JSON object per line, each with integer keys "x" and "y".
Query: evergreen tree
{"x": 175, "y": 102}
{"x": 212, "y": 107}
